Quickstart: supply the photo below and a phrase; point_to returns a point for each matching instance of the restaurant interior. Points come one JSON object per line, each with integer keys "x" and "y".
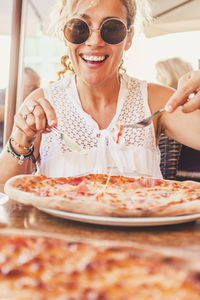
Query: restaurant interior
{"x": 173, "y": 31}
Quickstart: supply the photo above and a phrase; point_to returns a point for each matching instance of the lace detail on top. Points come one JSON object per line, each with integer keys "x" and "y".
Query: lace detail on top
{"x": 134, "y": 110}
{"x": 79, "y": 126}
{"x": 71, "y": 120}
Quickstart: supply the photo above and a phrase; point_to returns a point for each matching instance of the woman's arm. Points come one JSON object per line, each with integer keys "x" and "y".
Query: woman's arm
{"x": 10, "y": 166}
{"x": 183, "y": 127}
{"x": 178, "y": 125}
{"x": 34, "y": 117}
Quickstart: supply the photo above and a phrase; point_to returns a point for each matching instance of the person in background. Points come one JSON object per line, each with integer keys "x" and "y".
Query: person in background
{"x": 169, "y": 72}
{"x": 90, "y": 99}
{"x": 31, "y": 83}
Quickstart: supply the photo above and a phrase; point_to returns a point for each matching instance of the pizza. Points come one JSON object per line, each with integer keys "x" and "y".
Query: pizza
{"x": 103, "y": 195}
{"x": 41, "y": 268}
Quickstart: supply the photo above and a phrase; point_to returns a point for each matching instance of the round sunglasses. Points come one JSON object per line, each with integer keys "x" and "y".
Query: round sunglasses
{"x": 113, "y": 31}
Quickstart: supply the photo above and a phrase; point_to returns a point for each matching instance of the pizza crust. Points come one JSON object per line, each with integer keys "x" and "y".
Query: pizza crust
{"x": 89, "y": 206}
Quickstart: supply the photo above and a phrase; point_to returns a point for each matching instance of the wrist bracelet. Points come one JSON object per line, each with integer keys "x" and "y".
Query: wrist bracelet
{"x": 21, "y": 157}
{"x": 20, "y": 146}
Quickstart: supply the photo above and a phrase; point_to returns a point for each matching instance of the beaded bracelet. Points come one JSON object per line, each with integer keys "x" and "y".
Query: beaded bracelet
{"x": 21, "y": 157}
{"x": 20, "y": 146}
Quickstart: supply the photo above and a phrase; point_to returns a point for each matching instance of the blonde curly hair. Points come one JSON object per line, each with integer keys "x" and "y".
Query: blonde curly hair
{"x": 63, "y": 9}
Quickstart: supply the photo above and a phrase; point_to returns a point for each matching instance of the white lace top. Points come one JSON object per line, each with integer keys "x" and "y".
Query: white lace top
{"x": 135, "y": 155}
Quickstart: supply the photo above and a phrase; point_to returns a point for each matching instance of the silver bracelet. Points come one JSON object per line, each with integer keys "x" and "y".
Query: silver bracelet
{"x": 21, "y": 157}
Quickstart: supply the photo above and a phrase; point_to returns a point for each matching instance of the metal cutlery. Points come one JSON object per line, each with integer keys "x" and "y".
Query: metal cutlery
{"x": 145, "y": 122}
{"x": 68, "y": 141}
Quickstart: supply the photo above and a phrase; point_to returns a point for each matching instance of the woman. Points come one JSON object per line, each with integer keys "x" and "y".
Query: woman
{"x": 87, "y": 105}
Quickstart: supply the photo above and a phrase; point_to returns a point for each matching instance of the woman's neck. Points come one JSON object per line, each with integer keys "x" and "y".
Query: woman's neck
{"x": 99, "y": 100}
{"x": 98, "y": 96}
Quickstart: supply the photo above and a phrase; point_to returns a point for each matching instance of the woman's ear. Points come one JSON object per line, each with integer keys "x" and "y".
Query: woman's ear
{"x": 129, "y": 39}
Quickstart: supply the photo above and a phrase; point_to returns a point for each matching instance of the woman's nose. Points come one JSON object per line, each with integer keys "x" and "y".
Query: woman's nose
{"x": 95, "y": 37}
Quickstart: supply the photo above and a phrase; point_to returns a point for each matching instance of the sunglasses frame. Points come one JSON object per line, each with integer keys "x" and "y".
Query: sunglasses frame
{"x": 96, "y": 29}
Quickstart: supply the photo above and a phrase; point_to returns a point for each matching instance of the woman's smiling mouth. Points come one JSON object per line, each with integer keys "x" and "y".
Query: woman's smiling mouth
{"x": 93, "y": 59}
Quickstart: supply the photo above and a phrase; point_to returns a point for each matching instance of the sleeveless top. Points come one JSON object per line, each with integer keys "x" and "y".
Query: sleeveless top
{"x": 136, "y": 154}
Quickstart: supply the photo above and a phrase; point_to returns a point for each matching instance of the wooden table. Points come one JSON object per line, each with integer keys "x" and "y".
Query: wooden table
{"x": 182, "y": 241}
{"x": 182, "y": 238}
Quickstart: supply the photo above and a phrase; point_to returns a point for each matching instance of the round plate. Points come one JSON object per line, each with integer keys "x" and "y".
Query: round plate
{"x": 117, "y": 221}
{"x": 3, "y": 198}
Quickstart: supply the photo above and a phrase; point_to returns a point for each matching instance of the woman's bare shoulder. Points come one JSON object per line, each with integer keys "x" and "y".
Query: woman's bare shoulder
{"x": 158, "y": 95}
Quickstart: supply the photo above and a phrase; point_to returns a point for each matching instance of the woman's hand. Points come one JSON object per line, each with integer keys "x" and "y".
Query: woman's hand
{"x": 35, "y": 116}
{"x": 187, "y": 93}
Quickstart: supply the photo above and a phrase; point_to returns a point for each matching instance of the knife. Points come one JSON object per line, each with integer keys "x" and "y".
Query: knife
{"x": 68, "y": 141}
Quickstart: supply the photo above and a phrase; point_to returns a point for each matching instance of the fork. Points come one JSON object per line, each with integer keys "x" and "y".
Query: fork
{"x": 145, "y": 122}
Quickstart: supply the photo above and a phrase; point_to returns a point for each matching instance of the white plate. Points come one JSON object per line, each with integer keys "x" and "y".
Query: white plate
{"x": 3, "y": 198}
{"x": 117, "y": 221}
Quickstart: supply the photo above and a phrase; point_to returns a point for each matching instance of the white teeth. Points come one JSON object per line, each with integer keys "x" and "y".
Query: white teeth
{"x": 93, "y": 58}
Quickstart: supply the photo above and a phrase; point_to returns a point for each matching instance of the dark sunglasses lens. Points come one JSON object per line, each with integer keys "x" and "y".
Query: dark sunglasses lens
{"x": 113, "y": 31}
{"x": 76, "y": 31}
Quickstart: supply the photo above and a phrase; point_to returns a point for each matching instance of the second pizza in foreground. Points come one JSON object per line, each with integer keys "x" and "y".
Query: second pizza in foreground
{"x": 34, "y": 267}
{"x": 119, "y": 196}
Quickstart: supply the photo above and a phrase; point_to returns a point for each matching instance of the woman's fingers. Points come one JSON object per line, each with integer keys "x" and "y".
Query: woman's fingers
{"x": 22, "y": 124}
{"x": 35, "y": 117}
{"x": 192, "y": 104}
{"x": 188, "y": 84}
{"x": 50, "y": 114}
{"x": 38, "y": 118}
